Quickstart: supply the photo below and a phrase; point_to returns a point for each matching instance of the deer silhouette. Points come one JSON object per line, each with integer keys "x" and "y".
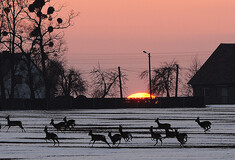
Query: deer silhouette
{"x": 58, "y": 126}
{"x": 155, "y": 136}
{"x": 14, "y": 123}
{"x": 51, "y": 136}
{"x": 125, "y": 135}
{"x": 115, "y": 138}
{"x": 163, "y": 125}
{"x": 69, "y": 123}
{"x": 206, "y": 125}
{"x": 97, "y": 137}
{"x": 181, "y": 137}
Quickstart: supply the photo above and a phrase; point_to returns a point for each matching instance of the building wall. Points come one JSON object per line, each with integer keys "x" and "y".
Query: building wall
{"x": 216, "y": 94}
{"x": 22, "y": 89}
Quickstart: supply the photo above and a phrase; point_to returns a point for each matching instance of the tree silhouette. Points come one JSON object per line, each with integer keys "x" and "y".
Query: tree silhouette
{"x": 10, "y": 30}
{"x": 33, "y": 28}
{"x": 105, "y": 83}
{"x": 43, "y": 19}
{"x": 191, "y": 71}
{"x": 163, "y": 78}
{"x": 71, "y": 83}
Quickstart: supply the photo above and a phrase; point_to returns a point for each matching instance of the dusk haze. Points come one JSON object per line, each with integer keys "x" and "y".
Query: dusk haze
{"x": 117, "y": 79}
{"x": 115, "y": 32}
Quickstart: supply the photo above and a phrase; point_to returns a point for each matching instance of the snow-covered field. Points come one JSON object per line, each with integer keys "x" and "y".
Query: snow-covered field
{"x": 218, "y": 143}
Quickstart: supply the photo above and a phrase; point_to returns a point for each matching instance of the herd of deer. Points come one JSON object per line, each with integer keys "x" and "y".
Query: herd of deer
{"x": 116, "y": 138}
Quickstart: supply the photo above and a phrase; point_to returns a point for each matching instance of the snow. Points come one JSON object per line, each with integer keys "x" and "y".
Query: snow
{"x": 218, "y": 143}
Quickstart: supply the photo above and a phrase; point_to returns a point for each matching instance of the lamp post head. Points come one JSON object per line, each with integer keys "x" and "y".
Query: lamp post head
{"x": 146, "y": 52}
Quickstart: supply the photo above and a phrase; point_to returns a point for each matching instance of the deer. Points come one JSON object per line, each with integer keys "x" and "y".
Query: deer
{"x": 97, "y": 137}
{"x": 181, "y": 137}
{"x": 14, "y": 123}
{"x": 51, "y": 136}
{"x": 155, "y": 136}
{"x": 163, "y": 125}
{"x": 59, "y": 125}
{"x": 69, "y": 123}
{"x": 115, "y": 138}
{"x": 206, "y": 125}
{"x": 125, "y": 135}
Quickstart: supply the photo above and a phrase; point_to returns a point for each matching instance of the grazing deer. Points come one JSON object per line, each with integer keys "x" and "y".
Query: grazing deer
{"x": 115, "y": 138}
{"x": 163, "y": 125}
{"x": 206, "y": 125}
{"x": 155, "y": 136}
{"x": 125, "y": 135}
{"x": 181, "y": 137}
{"x": 69, "y": 123}
{"x": 14, "y": 123}
{"x": 169, "y": 134}
{"x": 97, "y": 137}
{"x": 58, "y": 126}
{"x": 51, "y": 136}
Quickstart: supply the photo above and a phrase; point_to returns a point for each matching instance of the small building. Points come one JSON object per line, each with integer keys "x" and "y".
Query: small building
{"x": 21, "y": 87}
{"x": 215, "y": 80}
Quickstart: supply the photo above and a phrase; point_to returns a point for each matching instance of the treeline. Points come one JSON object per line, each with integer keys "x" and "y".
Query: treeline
{"x": 82, "y": 102}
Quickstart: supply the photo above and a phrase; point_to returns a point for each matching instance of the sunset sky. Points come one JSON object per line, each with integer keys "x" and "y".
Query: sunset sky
{"x": 114, "y": 33}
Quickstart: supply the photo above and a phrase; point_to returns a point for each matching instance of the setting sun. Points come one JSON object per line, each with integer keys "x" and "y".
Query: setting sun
{"x": 140, "y": 96}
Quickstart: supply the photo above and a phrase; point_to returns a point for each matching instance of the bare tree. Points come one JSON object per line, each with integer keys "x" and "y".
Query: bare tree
{"x": 191, "y": 71}
{"x": 45, "y": 21}
{"x": 11, "y": 18}
{"x": 163, "y": 78}
{"x": 105, "y": 83}
{"x": 71, "y": 83}
{"x": 34, "y": 28}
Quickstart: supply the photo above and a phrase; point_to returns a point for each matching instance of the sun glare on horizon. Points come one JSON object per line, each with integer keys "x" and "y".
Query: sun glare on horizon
{"x": 140, "y": 96}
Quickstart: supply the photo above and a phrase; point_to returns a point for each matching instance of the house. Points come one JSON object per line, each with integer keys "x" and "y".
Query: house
{"x": 22, "y": 89}
{"x": 215, "y": 80}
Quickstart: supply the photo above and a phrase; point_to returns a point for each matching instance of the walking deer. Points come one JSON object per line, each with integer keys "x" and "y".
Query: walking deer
{"x": 14, "y": 123}
{"x": 59, "y": 126}
{"x": 51, "y": 136}
{"x": 181, "y": 137}
{"x": 125, "y": 135}
{"x": 155, "y": 136}
{"x": 115, "y": 138}
{"x": 97, "y": 137}
{"x": 163, "y": 125}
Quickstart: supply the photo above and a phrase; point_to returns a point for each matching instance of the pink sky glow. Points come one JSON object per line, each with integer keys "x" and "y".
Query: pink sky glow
{"x": 114, "y": 33}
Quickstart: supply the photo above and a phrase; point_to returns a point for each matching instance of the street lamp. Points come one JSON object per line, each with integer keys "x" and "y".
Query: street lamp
{"x": 150, "y": 88}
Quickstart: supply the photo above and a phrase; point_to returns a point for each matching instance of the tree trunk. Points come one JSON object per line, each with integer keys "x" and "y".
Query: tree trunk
{"x": 30, "y": 78}
{"x": 3, "y": 95}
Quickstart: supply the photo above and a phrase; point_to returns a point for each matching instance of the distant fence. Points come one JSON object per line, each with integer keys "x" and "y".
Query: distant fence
{"x": 99, "y": 103}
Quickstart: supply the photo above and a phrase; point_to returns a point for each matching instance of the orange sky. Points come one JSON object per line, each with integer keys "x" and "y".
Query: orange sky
{"x": 115, "y": 32}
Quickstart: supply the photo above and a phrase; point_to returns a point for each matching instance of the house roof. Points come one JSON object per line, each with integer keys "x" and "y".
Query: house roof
{"x": 219, "y": 69}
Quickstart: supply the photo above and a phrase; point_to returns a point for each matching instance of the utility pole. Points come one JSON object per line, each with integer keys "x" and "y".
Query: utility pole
{"x": 177, "y": 78}
{"x": 150, "y": 88}
{"x": 120, "y": 81}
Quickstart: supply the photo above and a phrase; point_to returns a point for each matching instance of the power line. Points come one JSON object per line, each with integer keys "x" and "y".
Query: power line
{"x": 131, "y": 53}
